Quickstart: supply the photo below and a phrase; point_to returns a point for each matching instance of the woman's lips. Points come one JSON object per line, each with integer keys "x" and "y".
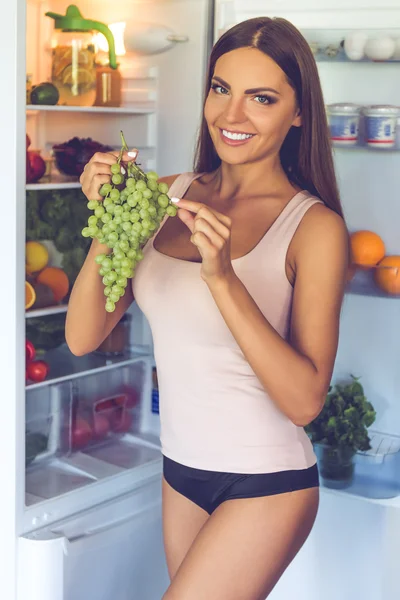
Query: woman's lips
{"x": 231, "y": 142}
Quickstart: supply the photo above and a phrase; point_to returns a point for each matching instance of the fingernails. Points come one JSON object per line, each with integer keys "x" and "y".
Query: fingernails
{"x": 123, "y": 171}
{"x": 175, "y": 200}
{"x": 133, "y": 153}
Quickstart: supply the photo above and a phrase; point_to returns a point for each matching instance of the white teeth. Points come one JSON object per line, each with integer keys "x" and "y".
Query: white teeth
{"x": 236, "y": 136}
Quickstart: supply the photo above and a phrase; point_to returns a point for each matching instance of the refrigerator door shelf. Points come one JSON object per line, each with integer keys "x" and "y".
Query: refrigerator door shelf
{"x": 110, "y": 551}
{"x": 64, "y": 486}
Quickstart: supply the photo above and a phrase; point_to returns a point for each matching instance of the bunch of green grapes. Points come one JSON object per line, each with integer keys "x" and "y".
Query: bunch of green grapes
{"x": 133, "y": 206}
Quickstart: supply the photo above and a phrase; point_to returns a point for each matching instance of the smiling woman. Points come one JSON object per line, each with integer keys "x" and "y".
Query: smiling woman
{"x": 250, "y": 278}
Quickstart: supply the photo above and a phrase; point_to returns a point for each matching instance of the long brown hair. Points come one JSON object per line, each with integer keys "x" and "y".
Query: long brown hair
{"x": 306, "y": 153}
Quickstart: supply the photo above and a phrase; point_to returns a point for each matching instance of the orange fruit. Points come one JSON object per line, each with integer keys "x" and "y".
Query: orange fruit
{"x": 56, "y": 280}
{"x": 30, "y": 295}
{"x": 387, "y": 275}
{"x": 367, "y": 248}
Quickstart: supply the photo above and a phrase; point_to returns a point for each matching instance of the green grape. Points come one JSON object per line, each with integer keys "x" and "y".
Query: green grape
{"x": 125, "y": 262}
{"x": 117, "y": 179}
{"x": 171, "y": 210}
{"x": 107, "y": 290}
{"x": 122, "y": 282}
{"x": 106, "y": 229}
{"x": 92, "y": 220}
{"x": 110, "y": 305}
{"x": 101, "y": 239}
{"x": 99, "y": 211}
{"x": 113, "y": 237}
{"x": 161, "y": 212}
{"x": 118, "y": 270}
{"x": 124, "y": 245}
{"x": 107, "y": 202}
{"x": 93, "y": 231}
{"x": 117, "y": 220}
{"x": 112, "y": 226}
{"x": 105, "y": 279}
{"x": 112, "y": 276}
{"x": 99, "y": 258}
{"x": 115, "y": 169}
{"x": 102, "y": 271}
{"x": 114, "y": 194}
{"x": 163, "y": 187}
{"x": 110, "y": 208}
{"x": 152, "y": 185}
{"x": 156, "y": 196}
{"x": 133, "y": 242}
{"x": 163, "y": 201}
{"x": 134, "y": 216}
{"x": 127, "y": 226}
{"x": 85, "y": 232}
{"x": 116, "y": 264}
{"x": 131, "y": 253}
{"x": 92, "y": 204}
{"x": 114, "y": 297}
{"x": 119, "y": 255}
{"x": 141, "y": 185}
{"x": 137, "y": 227}
{"x": 151, "y": 210}
{"x": 144, "y": 213}
{"x": 116, "y": 289}
{"x": 105, "y": 189}
{"x": 144, "y": 203}
{"x": 131, "y": 183}
{"x": 137, "y": 195}
{"x": 147, "y": 194}
{"x": 145, "y": 233}
{"x": 139, "y": 255}
{"x": 126, "y": 272}
{"x": 152, "y": 225}
{"x": 118, "y": 211}
{"x": 123, "y": 237}
{"x": 131, "y": 201}
{"x": 152, "y": 175}
{"x": 106, "y": 263}
{"x": 125, "y": 217}
{"x": 106, "y": 218}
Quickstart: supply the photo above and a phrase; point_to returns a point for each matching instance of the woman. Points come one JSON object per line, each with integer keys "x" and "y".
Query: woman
{"x": 243, "y": 294}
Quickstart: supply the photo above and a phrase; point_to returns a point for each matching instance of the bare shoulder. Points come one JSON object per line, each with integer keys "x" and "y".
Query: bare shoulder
{"x": 169, "y": 179}
{"x": 321, "y": 231}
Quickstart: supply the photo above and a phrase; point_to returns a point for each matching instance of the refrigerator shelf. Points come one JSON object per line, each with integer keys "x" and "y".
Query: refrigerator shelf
{"x": 44, "y": 312}
{"x": 64, "y": 366}
{"x": 376, "y": 471}
{"x": 144, "y": 108}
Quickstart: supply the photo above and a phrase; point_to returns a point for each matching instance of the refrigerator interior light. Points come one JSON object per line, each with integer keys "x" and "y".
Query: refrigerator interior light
{"x": 141, "y": 38}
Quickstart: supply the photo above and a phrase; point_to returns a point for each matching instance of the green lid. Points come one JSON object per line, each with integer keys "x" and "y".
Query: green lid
{"x": 74, "y": 21}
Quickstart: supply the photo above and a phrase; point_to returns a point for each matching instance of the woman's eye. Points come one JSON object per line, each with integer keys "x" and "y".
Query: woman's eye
{"x": 218, "y": 88}
{"x": 263, "y": 99}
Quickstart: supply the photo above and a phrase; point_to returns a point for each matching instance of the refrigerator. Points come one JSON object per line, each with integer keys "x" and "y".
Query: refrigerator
{"x": 81, "y": 513}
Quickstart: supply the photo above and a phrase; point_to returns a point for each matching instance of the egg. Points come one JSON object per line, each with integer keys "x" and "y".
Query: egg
{"x": 396, "y": 54}
{"x": 380, "y": 48}
{"x": 354, "y": 45}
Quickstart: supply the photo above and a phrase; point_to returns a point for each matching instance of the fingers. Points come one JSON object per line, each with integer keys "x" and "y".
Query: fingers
{"x": 204, "y": 227}
{"x": 197, "y": 207}
{"x": 98, "y": 171}
{"x": 205, "y": 215}
{"x": 187, "y": 218}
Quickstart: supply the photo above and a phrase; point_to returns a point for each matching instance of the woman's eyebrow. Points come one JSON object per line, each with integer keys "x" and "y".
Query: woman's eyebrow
{"x": 250, "y": 91}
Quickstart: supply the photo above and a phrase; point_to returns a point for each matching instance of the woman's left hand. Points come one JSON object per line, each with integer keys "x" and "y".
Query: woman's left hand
{"x": 211, "y": 234}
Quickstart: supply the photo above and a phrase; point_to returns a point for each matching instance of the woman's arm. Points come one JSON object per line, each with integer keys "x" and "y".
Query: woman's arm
{"x": 295, "y": 374}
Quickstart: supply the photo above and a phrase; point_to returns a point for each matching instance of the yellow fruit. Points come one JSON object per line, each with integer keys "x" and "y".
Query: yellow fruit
{"x": 30, "y": 295}
{"x": 36, "y": 257}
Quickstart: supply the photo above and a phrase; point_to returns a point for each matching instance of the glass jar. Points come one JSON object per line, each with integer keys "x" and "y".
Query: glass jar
{"x": 73, "y": 67}
{"x": 108, "y": 86}
{"x": 118, "y": 341}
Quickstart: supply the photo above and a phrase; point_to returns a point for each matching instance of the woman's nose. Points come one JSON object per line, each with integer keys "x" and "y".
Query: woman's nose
{"x": 234, "y": 111}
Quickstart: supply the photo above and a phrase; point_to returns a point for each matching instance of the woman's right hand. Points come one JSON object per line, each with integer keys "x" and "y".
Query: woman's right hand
{"x": 98, "y": 171}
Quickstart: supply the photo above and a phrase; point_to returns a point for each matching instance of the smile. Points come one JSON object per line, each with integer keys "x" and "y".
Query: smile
{"x": 235, "y": 138}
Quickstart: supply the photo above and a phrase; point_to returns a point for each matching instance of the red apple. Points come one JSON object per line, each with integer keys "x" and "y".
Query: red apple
{"x": 81, "y": 433}
{"x": 101, "y": 426}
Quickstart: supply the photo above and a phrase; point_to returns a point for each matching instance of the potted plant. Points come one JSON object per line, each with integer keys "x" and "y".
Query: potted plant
{"x": 340, "y": 430}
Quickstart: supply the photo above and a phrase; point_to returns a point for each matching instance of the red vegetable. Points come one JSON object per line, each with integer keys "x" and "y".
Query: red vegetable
{"x": 129, "y": 399}
{"x": 37, "y": 370}
{"x": 35, "y": 167}
{"x": 30, "y": 351}
{"x": 81, "y": 433}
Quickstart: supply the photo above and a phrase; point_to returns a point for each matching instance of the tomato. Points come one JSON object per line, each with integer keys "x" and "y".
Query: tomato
{"x": 129, "y": 398}
{"x": 37, "y": 370}
{"x": 104, "y": 405}
{"x": 81, "y": 433}
{"x": 30, "y": 351}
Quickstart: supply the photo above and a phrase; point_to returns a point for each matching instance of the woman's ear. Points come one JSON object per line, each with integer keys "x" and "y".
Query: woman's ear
{"x": 297, "y": 120}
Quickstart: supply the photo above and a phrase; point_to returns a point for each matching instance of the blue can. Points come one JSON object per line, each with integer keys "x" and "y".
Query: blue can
{"x": 344, "y": 123}
{"x": 381, "y": 125}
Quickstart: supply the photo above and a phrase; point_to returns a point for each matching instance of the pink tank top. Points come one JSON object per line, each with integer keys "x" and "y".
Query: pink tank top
{"x": 214, "y": 412}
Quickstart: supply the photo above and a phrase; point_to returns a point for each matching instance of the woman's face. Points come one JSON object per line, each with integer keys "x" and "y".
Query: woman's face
{"x": 250, "y": 106}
